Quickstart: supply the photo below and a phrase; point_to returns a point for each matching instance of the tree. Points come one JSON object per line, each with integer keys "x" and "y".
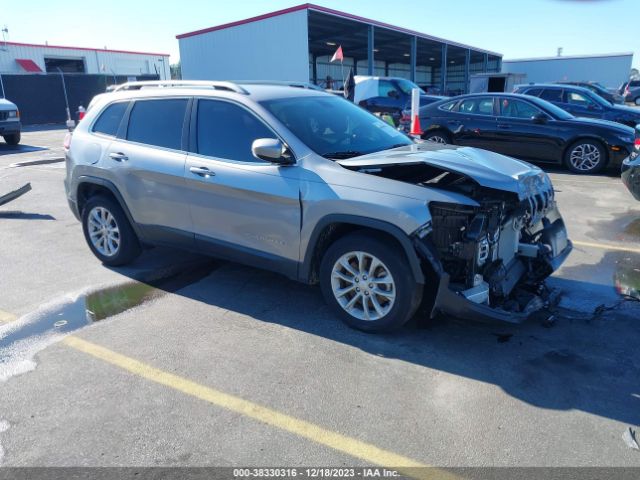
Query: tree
{"x": 176, "y": 71}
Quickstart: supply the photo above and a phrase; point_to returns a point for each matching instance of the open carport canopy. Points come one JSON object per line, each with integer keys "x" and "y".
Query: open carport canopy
{"x": 390, "y": 45}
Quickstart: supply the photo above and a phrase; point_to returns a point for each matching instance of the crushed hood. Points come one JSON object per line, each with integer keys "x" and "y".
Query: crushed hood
{"x": 488, "y": 169}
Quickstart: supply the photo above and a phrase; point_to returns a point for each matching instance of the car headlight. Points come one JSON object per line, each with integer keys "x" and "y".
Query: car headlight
{"x": 13, "y": 114}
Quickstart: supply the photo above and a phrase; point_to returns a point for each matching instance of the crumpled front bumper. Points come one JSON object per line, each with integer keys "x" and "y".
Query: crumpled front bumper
{"x": 452, "y": 302}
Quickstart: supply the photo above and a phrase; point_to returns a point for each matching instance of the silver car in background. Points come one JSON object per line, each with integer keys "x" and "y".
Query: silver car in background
{"x": 9, "y": 122}
{"x": 309, "y": 185}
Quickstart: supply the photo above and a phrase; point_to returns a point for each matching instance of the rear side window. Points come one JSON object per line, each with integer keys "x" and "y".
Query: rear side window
{"x": 385, "y": 88}
{"x": 227, "y": 131}
{"x": 157, "y": 122}
{"x": 513, "y": 108}
{"x": 477, "y": 106}
{"x": 551, "y": 95}
{"x": 447, "y": 107}
{"x": 535, "y": 92}
{"x": 110, "y": 118}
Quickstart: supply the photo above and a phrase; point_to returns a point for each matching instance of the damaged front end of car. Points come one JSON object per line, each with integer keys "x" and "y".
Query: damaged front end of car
{"x": 491, "y": 261}
{"x": 491, "y": 255}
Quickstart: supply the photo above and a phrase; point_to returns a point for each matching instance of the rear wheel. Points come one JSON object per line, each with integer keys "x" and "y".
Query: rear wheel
{"x": 437, "y": 136}
{"x": 585, "y": 156}
{"x": 13, "y": 139}
{"x": 108, "y": 232}
{"x": 368, "y": 283}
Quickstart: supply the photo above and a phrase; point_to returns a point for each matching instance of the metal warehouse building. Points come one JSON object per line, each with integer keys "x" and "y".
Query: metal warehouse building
{"x": 610, "y": 70}
{"x": 17, "y": 58}
{"x": 297, "y": 43}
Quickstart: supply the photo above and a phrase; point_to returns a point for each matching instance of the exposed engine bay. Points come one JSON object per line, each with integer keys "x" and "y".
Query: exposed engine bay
{"x": 497, "y": 254}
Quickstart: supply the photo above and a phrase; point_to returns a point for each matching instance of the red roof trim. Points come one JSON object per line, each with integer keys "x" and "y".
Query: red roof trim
{"x": 83, "y": 48}
{"x": 248, "y": 20}
{"x": 330, "y": 11}
{"x": 29, "y": 65}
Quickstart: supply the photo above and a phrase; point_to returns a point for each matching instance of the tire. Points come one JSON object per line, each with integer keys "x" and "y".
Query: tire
{"x": 586, "y": 156}
{"x": 13, "y": 139}
{"x": 397, "y": 301}
{"x": 124, "y": 246}
{"x": 437, "y": 136}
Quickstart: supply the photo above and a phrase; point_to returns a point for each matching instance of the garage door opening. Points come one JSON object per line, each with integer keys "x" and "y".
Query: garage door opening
{"x": 67, "y": 65}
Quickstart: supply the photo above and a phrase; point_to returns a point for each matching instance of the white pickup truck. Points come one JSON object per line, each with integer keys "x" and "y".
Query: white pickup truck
{"x": 9, "y": 122}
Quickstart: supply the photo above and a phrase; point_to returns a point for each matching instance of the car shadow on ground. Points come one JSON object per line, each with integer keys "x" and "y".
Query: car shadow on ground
{"x": 587, "y": 362}
{"x": 6, "y": 149}
{"x": 18, "y": 215}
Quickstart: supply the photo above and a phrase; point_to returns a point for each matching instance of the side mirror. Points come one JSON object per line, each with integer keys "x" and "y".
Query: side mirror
{"x": 539, "y": 118}
{"x": 271, "y": 150}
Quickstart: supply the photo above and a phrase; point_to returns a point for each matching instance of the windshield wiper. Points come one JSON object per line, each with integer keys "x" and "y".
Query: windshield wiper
{"x": 343, "y": 154}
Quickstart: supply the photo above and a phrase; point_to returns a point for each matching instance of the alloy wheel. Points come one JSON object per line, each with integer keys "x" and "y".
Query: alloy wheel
{"x": 103, "y": 231}
{"x": 363, "y": 285}
{"x": 436, "y": 139}
{"x": 585, "y": 157}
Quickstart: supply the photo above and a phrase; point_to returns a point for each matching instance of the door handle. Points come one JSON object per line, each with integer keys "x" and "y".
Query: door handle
{"x": 202, "y": 171}
{"x": 503, "y": 126}
{"x": 118, "y": 156}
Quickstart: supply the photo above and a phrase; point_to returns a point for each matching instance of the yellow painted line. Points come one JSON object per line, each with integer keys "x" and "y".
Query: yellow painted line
{"x": 605, "y": 246}
{"x": 6, "y": 317}
{"x": 337, "y": 441}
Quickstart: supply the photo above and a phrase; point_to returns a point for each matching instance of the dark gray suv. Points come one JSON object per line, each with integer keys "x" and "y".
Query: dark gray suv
{"x": 309, "y": 185}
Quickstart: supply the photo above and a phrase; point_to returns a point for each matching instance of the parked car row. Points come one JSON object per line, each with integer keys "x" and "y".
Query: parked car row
{"x": 631, "y": 91}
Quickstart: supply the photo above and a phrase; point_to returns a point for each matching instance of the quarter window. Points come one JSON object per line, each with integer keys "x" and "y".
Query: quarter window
{"x": 158, "y": 122}
{"x": 534, "y": 92}
{"x": 226, "y": 130}
{"x": 448, "y": 107}
{"x": 109, "y": 120}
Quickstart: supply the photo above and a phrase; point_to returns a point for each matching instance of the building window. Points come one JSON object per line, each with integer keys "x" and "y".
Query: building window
{"x": 67, "y": 65}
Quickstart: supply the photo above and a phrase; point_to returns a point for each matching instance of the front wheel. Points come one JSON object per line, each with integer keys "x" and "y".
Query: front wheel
{"x": 367, "y": 282}
{"x": 13, "y": 139}
{"x": 585, "y": 156}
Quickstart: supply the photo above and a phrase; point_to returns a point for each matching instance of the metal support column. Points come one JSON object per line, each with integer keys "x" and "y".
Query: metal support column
{"x": 414, "y": 57}
{"x": 467, "y": 70}
{"x": 370, "y": 46}
{"x": 485, "y": 63}
{"x": 314, "y": 69}
{"x": 443, "y": 70}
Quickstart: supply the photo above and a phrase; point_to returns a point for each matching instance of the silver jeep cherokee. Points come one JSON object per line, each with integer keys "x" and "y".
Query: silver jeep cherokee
{"x": 309, "y": 185}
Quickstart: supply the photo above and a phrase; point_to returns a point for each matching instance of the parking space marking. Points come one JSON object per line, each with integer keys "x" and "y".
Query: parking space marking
{"x": 6, "y": 317}
{"x": 337, "y": 441}
{"x": 605, "y": 246}
{"x": 568, "y": 180}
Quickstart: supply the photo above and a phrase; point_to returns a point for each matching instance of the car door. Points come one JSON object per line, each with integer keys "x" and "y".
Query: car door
{"x": 473, "y": 124}
{"x": 243, "y": 208}
{"x": 581, "y": 105}
{"x": 525, "y": 131}
{"x": 146, "y": 163}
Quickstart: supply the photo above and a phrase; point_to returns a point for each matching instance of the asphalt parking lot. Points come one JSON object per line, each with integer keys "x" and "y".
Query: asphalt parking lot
{"x": 185, "y": 361}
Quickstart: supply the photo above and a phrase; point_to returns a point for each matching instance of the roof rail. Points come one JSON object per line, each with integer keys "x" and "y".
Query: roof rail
{"x": 228, "y": 86}
{"x": 284, "y": 83}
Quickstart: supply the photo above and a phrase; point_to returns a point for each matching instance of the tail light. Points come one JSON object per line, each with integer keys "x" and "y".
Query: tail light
{"x": 67, "y": 141}
{"x": 405, "y": 118}
{"x": 636, "y": 143}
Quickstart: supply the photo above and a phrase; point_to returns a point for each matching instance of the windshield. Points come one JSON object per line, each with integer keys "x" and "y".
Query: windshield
{"x": 334, "y": 127}
{"x": 406, "y": 86}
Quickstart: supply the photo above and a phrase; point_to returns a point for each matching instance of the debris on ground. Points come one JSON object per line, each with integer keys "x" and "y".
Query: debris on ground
{"x": 15, "y": 194}
{"x": 629, "y": 437}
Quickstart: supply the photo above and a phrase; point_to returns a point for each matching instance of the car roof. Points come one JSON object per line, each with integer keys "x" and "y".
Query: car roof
{"x": 555, "y": 86}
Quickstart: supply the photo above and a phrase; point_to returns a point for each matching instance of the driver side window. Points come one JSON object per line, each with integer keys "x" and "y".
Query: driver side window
{"x": 227, "y": 131}
{"x": 579, "y": 100}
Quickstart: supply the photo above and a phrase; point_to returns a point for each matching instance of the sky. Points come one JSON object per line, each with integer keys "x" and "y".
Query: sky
{"x": 515, "y": 28}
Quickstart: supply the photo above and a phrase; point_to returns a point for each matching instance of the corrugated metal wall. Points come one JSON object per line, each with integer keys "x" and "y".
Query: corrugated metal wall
{"x": 609, "y": 71}
{"x": 95, "y": 61}
{"x": 275, "y": 48}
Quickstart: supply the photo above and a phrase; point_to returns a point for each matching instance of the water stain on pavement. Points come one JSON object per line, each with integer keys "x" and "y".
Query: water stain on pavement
{"x": 20, "y": 340}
